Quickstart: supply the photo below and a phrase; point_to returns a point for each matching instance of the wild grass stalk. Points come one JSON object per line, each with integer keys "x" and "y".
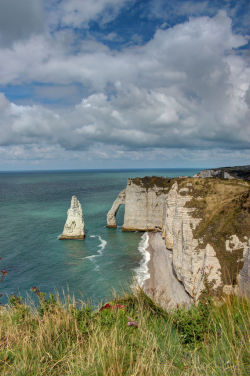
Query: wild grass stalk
{"x": 65, "y": 339}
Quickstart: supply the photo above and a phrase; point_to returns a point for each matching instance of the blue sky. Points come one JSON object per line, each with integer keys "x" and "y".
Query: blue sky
{"x": 124, "y": 83}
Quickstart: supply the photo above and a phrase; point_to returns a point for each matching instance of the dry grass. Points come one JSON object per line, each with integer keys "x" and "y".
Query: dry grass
{"x": 65, "y": 340}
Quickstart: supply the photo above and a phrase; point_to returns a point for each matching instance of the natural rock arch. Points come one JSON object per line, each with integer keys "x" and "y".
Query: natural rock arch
{"x": 111, "y": 216}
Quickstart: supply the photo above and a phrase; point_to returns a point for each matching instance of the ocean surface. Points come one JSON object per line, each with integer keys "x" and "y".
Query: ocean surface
{"x": 33, "y": 210}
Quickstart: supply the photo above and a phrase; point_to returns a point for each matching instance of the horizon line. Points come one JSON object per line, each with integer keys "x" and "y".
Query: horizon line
{"x": 108, "y": 169}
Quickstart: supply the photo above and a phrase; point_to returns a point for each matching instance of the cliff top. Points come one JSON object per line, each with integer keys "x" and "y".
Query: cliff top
{"x": 224, "y": 207}
{"x": 155, "y": 181}
{"x": 228, "y": 201}
{"x": 238, "y": 172}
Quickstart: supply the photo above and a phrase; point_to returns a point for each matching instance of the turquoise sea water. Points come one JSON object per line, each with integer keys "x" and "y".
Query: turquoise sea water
{"x": 33, "y": 208}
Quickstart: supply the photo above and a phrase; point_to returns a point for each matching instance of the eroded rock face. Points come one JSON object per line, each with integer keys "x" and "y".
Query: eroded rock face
{"x": 143, "y": 207}
{"x": 214, "y": 174}
{"x": 191, "y": 265}
{"x": 111, "y": 216}
{"x": 192, "y": 216}
{"x": 74, "y": 226}
{"x": 236, "y": 172}
{"x": 244, "y": 275}
{"x": 163, "y": 287}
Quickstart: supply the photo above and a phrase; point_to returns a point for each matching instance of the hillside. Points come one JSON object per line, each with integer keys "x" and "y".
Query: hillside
{"x": 237, "y": 172}
{"x": 127, "y": 336}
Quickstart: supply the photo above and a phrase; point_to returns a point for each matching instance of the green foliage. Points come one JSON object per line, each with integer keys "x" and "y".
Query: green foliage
{"x": 193, "y": 324}
{"x": 224, "y": 207}
{"x": 15, "y": 301}
{"x": 152, "y": 181}
{"x": 45, "y": 304}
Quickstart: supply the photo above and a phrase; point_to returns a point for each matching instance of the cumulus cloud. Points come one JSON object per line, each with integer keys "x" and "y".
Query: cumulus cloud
{"x": 20, "y": 19}
{"x": 185, "y": 89}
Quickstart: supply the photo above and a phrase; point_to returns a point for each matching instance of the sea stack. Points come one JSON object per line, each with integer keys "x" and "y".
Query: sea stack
{"x": 74, "y": 226}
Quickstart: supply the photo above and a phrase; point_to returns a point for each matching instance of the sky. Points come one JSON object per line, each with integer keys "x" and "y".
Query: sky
{"x": 124, "y": 84}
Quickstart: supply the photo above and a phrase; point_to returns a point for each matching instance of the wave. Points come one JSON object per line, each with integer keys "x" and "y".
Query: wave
{"x": 100, "y": 247}
{"x": 102, "y": 244}
{"x": 142, "y": 272}
{"x": 89, "y": 257}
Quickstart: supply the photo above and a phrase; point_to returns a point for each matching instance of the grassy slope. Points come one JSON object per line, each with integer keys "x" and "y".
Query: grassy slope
{"x": 64, "y": 340}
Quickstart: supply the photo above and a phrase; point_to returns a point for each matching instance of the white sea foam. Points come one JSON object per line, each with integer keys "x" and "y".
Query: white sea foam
{"x": 100, "y": 246}
{"x": 90, "y": 257}
{"x": 142, "y": 272}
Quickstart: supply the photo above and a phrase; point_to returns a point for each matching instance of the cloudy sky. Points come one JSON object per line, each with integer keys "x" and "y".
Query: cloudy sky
{"x": 124, "y": 83}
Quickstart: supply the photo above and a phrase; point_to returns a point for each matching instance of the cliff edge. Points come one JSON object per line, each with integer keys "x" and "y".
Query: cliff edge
{"x": 205, "y": 224}
{"x": 236, "y": 172}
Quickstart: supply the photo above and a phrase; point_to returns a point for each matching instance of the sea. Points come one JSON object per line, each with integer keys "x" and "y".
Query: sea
{"x": 33, "y": 211}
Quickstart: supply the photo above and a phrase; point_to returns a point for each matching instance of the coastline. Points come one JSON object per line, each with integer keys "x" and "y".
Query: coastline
{"x": 162, "y": 285}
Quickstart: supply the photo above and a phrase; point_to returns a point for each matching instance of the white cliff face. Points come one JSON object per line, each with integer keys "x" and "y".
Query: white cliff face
{"x": 74, "y": 226}
{"x": 163, "y": 287}
{"x": 214, "y": 174}
{"x": 143, "y": 207}
{"x": 244, "y": 275}
{"x": 151, "y": 207}
{"x": 234, "y": 244}
{"x": 191, "y": 265}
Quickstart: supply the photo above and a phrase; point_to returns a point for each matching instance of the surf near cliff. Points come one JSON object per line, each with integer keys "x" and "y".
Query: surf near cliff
{"x": 142, "y": 272}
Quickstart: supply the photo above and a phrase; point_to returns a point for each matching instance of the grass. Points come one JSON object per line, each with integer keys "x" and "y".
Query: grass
{"x": 64, "y": 339}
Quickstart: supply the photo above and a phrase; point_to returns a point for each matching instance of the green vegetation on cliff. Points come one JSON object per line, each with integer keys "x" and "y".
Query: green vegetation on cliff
{"x": 224, "y": 209}
{"x": 154, "y": 181}
{"x": 223, "y": 206}
{"x": 128, "y": 336}
{"x": 238, "y": 172}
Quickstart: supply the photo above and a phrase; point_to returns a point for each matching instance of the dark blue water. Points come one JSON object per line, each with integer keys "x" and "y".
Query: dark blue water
{"x": 33, "y": 208}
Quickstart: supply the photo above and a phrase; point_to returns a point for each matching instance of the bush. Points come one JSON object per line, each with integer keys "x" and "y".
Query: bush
{"x": 193, "y": 324}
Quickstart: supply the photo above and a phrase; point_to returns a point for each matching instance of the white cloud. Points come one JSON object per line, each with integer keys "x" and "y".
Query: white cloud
{"x": 184, "y": 89}
{"x": 20, "y": 19}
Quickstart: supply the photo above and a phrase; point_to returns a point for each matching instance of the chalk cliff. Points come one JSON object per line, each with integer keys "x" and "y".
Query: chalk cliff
{"x": 237, "y": 172}
{"x": 111, "y": 216}
{"x": 144, "y": 205}
{"x": 204, "y": 222}
{"x": 74, "y": 226}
